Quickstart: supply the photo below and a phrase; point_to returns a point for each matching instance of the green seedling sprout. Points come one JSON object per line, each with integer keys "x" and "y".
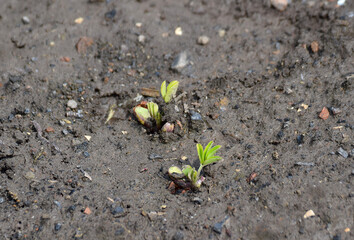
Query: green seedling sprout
{"x": 152, "y": 111}
{"x": 169, "y": 92}
{"x": 206, "y": 157}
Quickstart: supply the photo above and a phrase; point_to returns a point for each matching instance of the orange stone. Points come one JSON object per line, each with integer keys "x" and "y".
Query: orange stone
{"x": 65, "y": 59}
{"x": 314, "y": 46}
{"x": 49, "y": 129}
{"x": 324, "y": 113}
{"x": 87, "y": 211}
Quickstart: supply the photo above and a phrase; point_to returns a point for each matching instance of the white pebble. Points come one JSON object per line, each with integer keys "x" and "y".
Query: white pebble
{"x": 179, "y": 31}
{"x": 25, "y": 20}
{"x": 72, "y": 104}
{"x": 309, "y": 214}
{"x": 141, "y": 38}
{"x": 203, "y": 40}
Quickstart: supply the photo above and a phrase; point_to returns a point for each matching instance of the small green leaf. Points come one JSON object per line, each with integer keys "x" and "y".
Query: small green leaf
{"x": 212, "y": 151}
{"x": 200, "y": 153}
{"x": 154, "y": 112}
{"x": 186, "y": 170}
{"x": 153, "y": 109}
{"x": 212, "y": 160}
{"x": 142, "y": 114}
{"x": 206, "y": 149}
{"x": 163, "y": 90}
{"x": 171, "y": 91}
{"x": 174, "y": 169}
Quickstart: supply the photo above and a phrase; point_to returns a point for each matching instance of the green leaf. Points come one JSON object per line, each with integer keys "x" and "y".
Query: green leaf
{"x": 153, "y": 109}
{"x": 142, "y": 114}
{"x": 212, "y": 151}
{"x": 200, "y": 153}
{"x": 206, "y": 149}
{"x": 171, "y": 91}
{"x": 174, "y": 169}
{"x": 163, "y": 90}
{"x": 154, "y": 112}
{"x": 186, "y": 170}
{"x": 212, "y": 160}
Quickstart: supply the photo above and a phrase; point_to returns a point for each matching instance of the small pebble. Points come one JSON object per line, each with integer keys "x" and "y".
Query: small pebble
{"x": 280, "y": 4}
{"x": 110, "y": 14}
{"x": 309, "y": 214}
{"x": 180, "y": 61}
{"x": 218, "y": 227}
{"x": 65, "y": 132}
{"x": 179, "y": 31}
{"x": 342, "y": 152}
{"x": 117, "y": 210}
{"x": 86, "y": 154}
{"x": 25, "y": 20}
{"x": 300, "y": 139}
{"x": 280, "y": 134}
{"x": 2, "y": 200}
{"x": 71, "y": 208}
{"x": 87, "y": 211}
{"x": 314, "y": 46}
{"x": 57, "y": 203}
{"x": 197, "y": 200}
{"x": 196, "y": 116}
{"x": 324, "y": 113}
{"x": 203, "y": 40}
{"x": 152, "y": 215}
{"x": 57, "y": 226}
{"x": 79, "y": 20}
{"x": 221, "y": 32}
{"x": 335, "y": 111}
{"x": 72, "y": 104}
{"x": 288, "y": 91}
{"x": 154, "y": 156}
{"x": 141, "y": 38}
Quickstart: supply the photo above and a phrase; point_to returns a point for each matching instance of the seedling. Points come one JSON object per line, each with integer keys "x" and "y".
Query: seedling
{"x": 153, "y": 109}
{"x": 206, "y": 157}
{"x": 169, "y": 92}
{"x": 144, "y": 112}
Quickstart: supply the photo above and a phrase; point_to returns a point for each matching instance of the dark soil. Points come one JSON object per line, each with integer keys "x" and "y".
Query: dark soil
{"x": 259, "y": 85}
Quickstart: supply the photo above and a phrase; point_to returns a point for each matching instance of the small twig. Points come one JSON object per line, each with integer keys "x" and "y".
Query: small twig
{"x": 180, "y": 96}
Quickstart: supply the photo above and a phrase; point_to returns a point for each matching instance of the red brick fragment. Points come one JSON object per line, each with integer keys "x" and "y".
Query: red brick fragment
{"x": 324, "y": 113}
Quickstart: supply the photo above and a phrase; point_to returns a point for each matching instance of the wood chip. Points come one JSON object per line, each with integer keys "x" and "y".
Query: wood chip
{"x": 150, "y": 92}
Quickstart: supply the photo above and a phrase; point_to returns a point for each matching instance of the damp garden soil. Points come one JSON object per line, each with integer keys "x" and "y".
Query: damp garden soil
{"x": 259, "y": 86}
